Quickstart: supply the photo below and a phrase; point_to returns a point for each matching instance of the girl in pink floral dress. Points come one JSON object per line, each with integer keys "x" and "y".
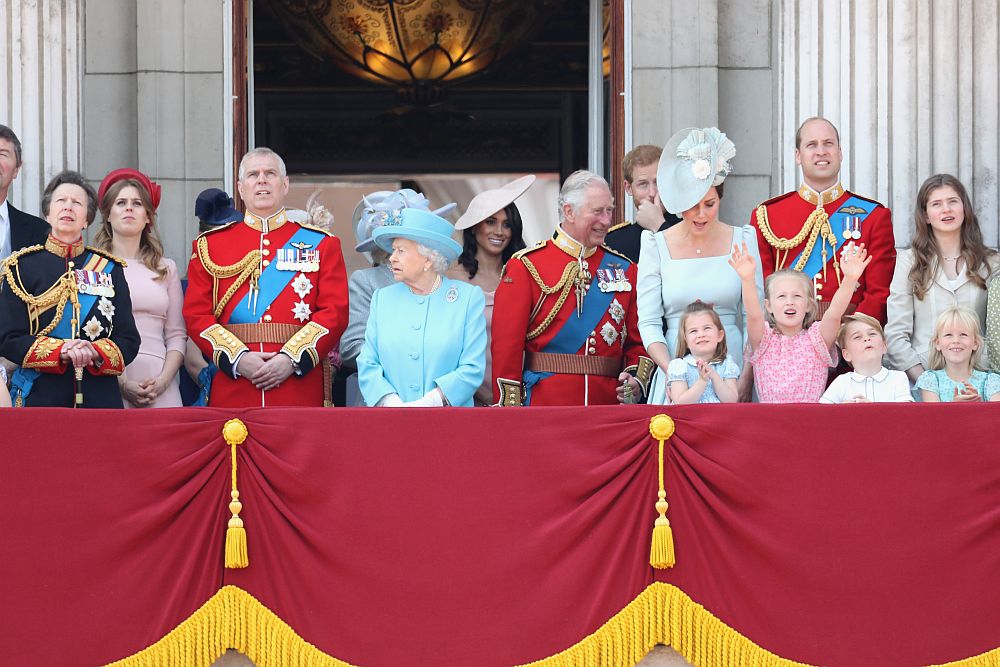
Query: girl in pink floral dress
{"x": 791, "y": 352}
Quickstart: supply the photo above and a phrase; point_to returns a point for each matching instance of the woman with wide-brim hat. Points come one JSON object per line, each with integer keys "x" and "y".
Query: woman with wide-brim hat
{"x": 425, "y": 342}
{"x": 690, "y": 261}
{"x": 491, "y": 233}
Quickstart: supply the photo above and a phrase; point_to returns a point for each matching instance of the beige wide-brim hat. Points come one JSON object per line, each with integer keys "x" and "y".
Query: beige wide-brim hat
{"x": 488, "y": 202}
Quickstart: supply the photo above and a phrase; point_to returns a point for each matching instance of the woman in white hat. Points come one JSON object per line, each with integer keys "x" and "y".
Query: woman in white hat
{"x": 491, "y": 233}
{"x": 425, "y": 342}
{"x": 690, "y": 261}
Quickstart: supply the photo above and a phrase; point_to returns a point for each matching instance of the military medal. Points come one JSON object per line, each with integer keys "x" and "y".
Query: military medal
{"x": 300, "y": 257}
{"x": 852, "y": 227}
{"x": 96, "y": 283}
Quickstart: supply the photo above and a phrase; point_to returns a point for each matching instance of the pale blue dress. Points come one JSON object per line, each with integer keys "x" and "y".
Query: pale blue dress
{"x": 686, "y": 370}
{"x": 414, "y": 343}
{"x": 665, "y": 286}
{"x": 938, "y": 382}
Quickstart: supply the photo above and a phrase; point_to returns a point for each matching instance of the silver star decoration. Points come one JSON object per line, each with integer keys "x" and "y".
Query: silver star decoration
{"x": 609, "y": 333}
{"x": 302, "y": 285}
{"x": 616, "y": 311}
{"x": 93, "y": 329}
{"x": 106, "y": 307}
{"x": 301, "y": 311}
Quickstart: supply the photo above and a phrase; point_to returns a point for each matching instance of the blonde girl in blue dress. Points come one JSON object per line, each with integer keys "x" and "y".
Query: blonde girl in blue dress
{"x": 702, "y": 371}
{"x": 955, "y": 361}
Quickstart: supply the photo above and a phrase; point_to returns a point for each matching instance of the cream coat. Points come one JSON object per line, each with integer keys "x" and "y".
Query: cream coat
{"x": 910, "y": 325}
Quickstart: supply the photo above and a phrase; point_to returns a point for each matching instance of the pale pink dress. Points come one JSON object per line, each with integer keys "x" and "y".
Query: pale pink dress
{"x": 156, "y": 306}
{"x": 791, "y": 369}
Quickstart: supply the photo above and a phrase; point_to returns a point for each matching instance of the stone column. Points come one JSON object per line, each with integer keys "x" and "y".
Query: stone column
{"x": 154, "y": 92}
{"x": 912, "y": 86}
{"x": 40, "y": 99}
{"x": 703, "y": 63}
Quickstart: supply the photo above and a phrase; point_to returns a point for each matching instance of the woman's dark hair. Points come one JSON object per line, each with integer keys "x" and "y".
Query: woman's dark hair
{"x": 469, "y": 246}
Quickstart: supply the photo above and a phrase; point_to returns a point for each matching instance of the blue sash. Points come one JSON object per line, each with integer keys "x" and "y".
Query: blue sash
{"x": 815, "y": 263}
{"x": 22, "y": 380}
{"x": 272, "y": 282}
{"x": 575, "y": 331}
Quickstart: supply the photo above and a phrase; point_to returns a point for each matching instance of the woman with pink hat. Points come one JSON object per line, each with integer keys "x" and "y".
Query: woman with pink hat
{"x": 491, "y": 233}
{"x": 128, "y": 200}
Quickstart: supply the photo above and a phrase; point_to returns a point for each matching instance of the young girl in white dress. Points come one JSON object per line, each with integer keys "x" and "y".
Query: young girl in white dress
{"x": 702, "y": 371}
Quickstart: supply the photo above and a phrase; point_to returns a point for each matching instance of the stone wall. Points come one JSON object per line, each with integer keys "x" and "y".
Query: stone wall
{"x": 153, "y": 96}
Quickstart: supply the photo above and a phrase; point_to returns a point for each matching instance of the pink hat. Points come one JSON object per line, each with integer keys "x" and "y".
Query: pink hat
{"x": 130, "y": 174}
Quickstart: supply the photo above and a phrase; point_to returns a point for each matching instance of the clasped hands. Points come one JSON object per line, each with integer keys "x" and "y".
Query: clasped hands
{"x": 79, "y": 353}
{"x": 266, "y": 370}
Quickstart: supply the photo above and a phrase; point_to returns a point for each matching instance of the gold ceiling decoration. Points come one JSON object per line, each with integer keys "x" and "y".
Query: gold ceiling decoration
{"x": 411, "y": 44}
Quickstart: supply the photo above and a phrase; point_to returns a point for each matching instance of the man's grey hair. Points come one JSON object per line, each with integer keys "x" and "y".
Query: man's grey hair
{"x": 439, "y": 263}
{"x": 574, "y": 189}
{"x": 262, "y": 151}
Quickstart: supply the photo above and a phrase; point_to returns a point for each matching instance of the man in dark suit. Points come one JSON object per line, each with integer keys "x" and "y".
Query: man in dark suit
{"x": 17, "y": 229}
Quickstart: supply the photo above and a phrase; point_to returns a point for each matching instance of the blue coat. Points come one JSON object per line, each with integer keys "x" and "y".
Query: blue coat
{"x": 416, "y": 343}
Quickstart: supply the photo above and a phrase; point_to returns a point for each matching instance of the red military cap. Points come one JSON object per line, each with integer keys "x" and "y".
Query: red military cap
{"x": 124, "y": 174}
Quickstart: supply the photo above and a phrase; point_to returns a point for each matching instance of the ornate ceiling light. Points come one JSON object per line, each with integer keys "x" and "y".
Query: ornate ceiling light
{"x": 416, "y": 45}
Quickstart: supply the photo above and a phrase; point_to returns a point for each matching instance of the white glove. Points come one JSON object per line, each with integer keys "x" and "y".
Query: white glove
{"x": 391, "y": 401}
{"x": 432, "y": 399}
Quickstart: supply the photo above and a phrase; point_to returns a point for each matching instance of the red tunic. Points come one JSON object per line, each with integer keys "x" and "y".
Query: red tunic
{"x": 513, "y": 319}
{"x": 305, "y": 325}
{"x": 786, "y": 216}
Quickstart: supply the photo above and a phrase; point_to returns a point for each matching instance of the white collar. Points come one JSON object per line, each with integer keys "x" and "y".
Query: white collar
{"x": 4, "y": 211}
{"x": 692, "y": 361}
{"x": 882, "y": 374}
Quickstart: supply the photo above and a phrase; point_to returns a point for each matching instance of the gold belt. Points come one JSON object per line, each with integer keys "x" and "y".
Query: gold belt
{"x": 264, "y": 332}
{"x": 572, "y": 364}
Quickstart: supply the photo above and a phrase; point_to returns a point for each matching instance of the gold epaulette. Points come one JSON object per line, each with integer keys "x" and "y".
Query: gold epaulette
{"x": 615, "y": 253}
{"x": 17, "y": 254}
{"x": 620, "y": 225}
{"x": 218, "y": 228}
{"x": 524, "y": 251}
{"x": 316, "y": 229}
{"x": 107, "y": 255}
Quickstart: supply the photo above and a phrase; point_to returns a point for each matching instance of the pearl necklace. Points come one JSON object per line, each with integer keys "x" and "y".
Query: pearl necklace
{"x": 434, "y": 288}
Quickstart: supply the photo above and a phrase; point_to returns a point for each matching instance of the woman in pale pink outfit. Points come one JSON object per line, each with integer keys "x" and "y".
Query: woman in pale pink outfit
{"x": 128, "y": 200}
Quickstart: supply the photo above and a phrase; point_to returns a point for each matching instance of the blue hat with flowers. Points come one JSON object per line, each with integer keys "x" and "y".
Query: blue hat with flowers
{"x": 424, "y": 227}
{"x": 377, "y": 208}
{"x": 694, "y": 160}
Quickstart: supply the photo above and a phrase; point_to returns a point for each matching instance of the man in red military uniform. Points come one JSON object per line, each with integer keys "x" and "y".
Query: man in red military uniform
{"x": 267, "y": 297}
{"x": 805, "y": 229}
{"x": 564, "y": 318}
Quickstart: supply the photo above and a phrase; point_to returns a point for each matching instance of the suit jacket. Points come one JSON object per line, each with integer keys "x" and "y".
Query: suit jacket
{"x": 25, "y": 229}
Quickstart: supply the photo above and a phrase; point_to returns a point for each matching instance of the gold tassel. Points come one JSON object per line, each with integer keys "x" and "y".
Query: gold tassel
{"x": 661, "y": 551}
{"x": 235, "y": 433}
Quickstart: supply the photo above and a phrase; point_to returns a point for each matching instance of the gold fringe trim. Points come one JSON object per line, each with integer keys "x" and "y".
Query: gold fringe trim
{"x": 664, "y": 614}
{"x": 232, "y": 618}
{"x": 661, "y": 614}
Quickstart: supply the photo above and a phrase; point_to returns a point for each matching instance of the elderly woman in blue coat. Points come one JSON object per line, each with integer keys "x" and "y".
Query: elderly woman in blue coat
{"x": 425, "y": 343}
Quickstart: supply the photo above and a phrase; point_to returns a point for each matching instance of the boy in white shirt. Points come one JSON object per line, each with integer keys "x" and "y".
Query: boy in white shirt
{"x": 862, "y": 343}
